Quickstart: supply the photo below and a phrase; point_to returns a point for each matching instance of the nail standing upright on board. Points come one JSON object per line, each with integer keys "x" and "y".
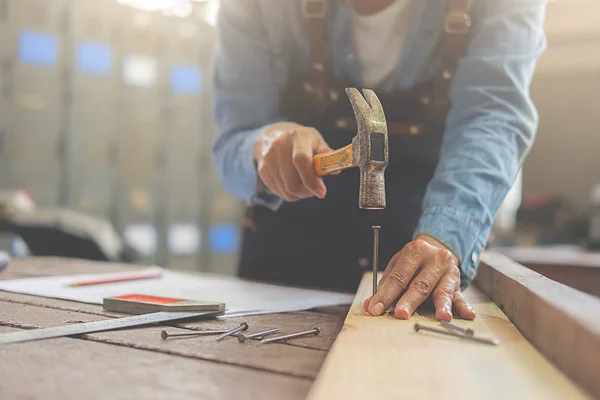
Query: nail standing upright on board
{"x": 375, "y": 256}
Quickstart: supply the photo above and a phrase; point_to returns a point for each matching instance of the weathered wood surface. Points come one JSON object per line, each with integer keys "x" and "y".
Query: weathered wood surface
{"x": 571, "y": 265}
{"x": 563, "y": 323}
{"x": 66, "y": 368}
{"x": 288, "y": 368}
{"x": 385, "y": 358}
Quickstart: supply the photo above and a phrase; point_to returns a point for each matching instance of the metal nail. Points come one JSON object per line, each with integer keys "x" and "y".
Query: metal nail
{"x": 165, "y": 334}
{"x": 452, "y": 327}
{"x": 259, "y": 335}
{"x": 375, "y": 256}
{"x": 243, "y": 326}
{"x": 315, "y": 331}
{"x": 419, "y": 327}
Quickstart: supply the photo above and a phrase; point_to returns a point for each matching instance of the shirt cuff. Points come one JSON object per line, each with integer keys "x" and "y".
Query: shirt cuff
{"x": 460, "y": 233}
{"x": 262, "y": 195}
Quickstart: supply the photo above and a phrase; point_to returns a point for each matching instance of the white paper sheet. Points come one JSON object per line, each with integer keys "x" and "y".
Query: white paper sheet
{"x": 240, "y": 297}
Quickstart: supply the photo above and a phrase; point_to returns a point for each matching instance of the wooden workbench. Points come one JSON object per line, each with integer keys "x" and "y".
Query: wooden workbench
{"x": 137, "y": 363}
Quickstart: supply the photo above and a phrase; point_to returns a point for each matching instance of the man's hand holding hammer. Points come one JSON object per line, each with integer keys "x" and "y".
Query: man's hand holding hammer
{"x": 284, "y": 158}
{"x": 424, "y": 267}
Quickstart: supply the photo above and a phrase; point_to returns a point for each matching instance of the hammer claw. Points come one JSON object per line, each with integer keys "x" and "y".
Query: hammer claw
{"x": 376, "y": 107}
{"x": 359, "y": 104}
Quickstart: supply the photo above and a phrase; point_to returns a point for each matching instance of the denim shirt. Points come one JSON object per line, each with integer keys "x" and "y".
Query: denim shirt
{"x": 489, "y": 130}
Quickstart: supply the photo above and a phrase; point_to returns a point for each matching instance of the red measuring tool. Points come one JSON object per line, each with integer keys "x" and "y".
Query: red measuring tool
{"x": 135, "y": 303}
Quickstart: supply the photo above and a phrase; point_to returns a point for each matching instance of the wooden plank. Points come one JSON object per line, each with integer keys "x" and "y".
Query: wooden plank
{"x": 553, "y": 255}
{"x": 46, "y": 266}
{"x": 571, "y": 265}
{"x": 384, "y": 357}
{"x": 280, "y": 358}
{"x": 563, "y": 323}
{"x": 75, "y": 369}
{"x": 581, "y": 278}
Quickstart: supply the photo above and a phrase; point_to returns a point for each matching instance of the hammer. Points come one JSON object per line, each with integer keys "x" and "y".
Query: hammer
{"x": 368, "y": 151}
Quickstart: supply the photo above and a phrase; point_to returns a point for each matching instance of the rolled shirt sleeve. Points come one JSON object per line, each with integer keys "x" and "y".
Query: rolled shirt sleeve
{"x": 246, "y": 97}
{"x": 489, "y": 130}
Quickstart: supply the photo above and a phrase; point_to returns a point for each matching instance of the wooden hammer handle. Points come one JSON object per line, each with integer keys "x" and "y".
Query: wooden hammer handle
{"x": 336, "y": 160}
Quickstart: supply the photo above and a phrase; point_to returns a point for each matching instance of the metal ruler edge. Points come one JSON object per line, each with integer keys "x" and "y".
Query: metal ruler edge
{"x": 101, "y": 326}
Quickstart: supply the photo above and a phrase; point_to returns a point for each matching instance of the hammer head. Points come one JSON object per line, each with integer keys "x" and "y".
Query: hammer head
{"x": 369, "y": 147}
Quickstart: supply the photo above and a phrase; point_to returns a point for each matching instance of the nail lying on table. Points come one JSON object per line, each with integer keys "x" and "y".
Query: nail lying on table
{"x": 243, "y": 326}
{"x": 419, "y": 327}
{"x": 165, "y": 334}
{"x": 315, "y": 331}
{"x": 258, "y": 335}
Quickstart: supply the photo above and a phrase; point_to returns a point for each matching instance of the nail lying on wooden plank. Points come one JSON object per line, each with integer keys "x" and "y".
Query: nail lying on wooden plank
{"x": 419, "y": 327}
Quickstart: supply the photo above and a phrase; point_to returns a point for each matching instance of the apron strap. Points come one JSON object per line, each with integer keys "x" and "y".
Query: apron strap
{"x": 452, "y": 47}
{"x": 319, "y": 68}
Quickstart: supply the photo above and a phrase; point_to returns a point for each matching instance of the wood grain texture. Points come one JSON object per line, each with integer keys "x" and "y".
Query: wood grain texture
{"x": 571, "y": 265}
{"x": 280, "y": 358}
{"x": 128, "y": 363}
{"x": 563, "y": 323}
{"x": 49, "y": 266}
{"x": 581, "y": 278}
{"x": 330, "y": 323}
{"x": 63, "y": 368}
{"x": 381, "y": 357}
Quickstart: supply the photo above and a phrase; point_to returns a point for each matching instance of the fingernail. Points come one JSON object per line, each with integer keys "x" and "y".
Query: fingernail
{"x": 378, "y": 309}
{"x": 402, "y": 313}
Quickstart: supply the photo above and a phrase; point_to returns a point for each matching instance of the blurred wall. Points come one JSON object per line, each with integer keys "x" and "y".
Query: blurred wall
{"x": 566, "y": 90}
{"x": 106, "y": 109}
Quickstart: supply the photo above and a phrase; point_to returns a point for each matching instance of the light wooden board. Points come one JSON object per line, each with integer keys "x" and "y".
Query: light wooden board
{"x": 381, "y": 357}
{"x": 563, "y": 323}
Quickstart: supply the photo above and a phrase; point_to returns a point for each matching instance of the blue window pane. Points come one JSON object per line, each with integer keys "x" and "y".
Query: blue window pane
{"x": 224, "y": 238}
{"x": 38, "y": 48}
{"x": 186, "y": 79}
{"x": 94, "y": 58}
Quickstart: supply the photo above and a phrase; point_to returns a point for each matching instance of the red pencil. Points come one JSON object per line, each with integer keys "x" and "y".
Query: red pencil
{"x": 147, "y": 275}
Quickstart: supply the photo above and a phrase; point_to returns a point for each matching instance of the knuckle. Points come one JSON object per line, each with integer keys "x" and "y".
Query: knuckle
{"x": 300, "y": 159}
{"x": 398, "y": 279}
{"x": 445, "y": 256}
{"x": 422, "y": 286}
{"x": 454, "y": 271}
{"x": 445, "y": 290}
{"x": 418, "y": 245}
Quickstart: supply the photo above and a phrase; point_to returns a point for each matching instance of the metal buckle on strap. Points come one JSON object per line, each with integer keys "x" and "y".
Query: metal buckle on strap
{"x": 313, "y": 8}
{"x": 457, "y": 23}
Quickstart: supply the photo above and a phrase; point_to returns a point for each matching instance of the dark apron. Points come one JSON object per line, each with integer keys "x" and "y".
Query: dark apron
{"x": 328, "y": 243}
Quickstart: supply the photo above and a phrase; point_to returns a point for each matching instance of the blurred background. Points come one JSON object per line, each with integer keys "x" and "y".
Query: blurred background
{"x": 105, "y": 111}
